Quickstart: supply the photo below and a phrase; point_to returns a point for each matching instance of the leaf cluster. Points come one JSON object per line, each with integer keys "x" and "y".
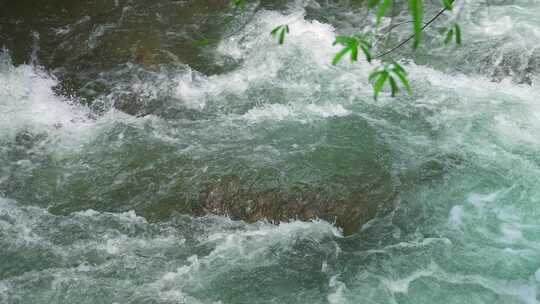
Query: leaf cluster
{"x": 388, "y": 73}
{"x": 382, "y": 5}
{"x": 454, "y": 31}
{"x": 280, "y": 31}
{"x": 351, "y": 44}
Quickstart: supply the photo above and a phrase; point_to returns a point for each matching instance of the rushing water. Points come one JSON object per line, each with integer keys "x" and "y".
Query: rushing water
{"x": 118, "y": 118}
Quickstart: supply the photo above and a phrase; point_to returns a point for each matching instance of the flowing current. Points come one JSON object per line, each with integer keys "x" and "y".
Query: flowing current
{"x": 129, "y": 130}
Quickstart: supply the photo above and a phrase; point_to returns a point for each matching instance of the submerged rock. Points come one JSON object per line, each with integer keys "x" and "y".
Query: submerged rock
{"x": 520, "y": 67}
{"x": 240, "y": 200}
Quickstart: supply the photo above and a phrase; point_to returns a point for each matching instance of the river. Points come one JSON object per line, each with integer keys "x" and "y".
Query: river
{"x": 144, "y": 143}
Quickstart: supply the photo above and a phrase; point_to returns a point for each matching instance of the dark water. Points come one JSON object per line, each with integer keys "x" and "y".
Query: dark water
{"x": 125, "y": 124}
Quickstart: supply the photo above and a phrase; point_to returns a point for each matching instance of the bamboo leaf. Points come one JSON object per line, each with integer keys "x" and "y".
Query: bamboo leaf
{"x": 449, "y": 36}
{"x": 377, "y": 87}
{"x": 382, "y": 10}
{"x": 373, "y": 3}
{"x": 367, "y": 53}
{"x": 399, "y": 68}
{"x": 448, "y": 4}
{"x": 239, "y": 3}
{"x": 340, "y": 55}
{"x": 275, "y": 30}
{"x": 354, "y": 52}
{"x": 280, "y": 31}
{"x": 351, "y": 44}
{"x": 365, "y": 42}
{"x": 393, "y": 86}
{"x": 416, "y": 10}
{"x": 403, "y": 78}
{"x": 204, "y": 41}
{"x": 340, "y": 40}
{"x": 282, "y": 36}
{"x": 458, "y": 34}
{"x": 374, "y": 74}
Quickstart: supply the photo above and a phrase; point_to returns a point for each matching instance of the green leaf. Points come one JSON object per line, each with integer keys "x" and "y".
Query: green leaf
{"x": 367, "y": 53}
{"x": 282, "y": 36}
{"x": 340, "y": 55}
{"x": 449, "y": 36}
{"x": 455, "y": 31}
{"x": 393, "y": 86}
{"x": 276, "y": 29}
{"x": 382, "y": 10}
{"x": 390, "y": 71}
{"x": 416, "y": 10}
{"x": 398, "y": 68}
{"x": 374, "y": 74}
{"x": 365, "y": 42}
{"x": 377, "y": 87}
{"x": 448, "y": 4}
{"x": 442, "y": 30}
{"x": 239, "y": 3}
{"x": 351, "y": 44}
{"x": 354, "y": 53}
{"x": 280, "y": 31}
{"x": 458, "y": 34}
{"x": 343, "y": 40}
{"x": 204, "y": 41}
{"x": 373, "y": 3}
{"x": 403, "y": 78}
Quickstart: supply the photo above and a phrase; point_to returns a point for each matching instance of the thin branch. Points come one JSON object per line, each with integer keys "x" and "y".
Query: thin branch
{"x": 412, "y": 36}
{"x": 393, "y": 26}
{"x": 389, "y": 29}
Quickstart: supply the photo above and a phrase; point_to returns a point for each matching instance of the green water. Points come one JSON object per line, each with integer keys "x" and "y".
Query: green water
{"x": 125, "y": 125}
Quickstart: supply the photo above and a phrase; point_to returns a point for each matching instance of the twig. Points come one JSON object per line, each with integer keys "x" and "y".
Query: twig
{"x": 412, "y": 36}
{"x": 389, "y": 29}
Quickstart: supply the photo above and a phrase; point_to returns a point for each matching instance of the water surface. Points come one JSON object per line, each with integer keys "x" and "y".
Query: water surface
{"x": 126, "y": 126}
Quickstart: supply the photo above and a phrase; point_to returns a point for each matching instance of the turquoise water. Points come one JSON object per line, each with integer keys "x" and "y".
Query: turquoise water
{"x": 113, "y": 129}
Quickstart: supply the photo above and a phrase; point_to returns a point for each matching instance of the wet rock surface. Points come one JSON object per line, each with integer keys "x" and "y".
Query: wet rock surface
{"x": 241, "y": 201}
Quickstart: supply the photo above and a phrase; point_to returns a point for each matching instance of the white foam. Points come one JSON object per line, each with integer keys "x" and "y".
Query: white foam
{"x": 524, "y": 291}
{"x": 495, "y": 27}
{"x": 456, "y": 215}
{"x": 259, "y": 66}
{"x": 479, "y": 200}
{"x": 337, "y": 296}
{"x": 18, "y": 224}
{"x": 27, "y": 101}
{"x": 246, "y": 245}
{"x": 111, "y": 246}
{"x": 300, "y": 112}
{"x": 194, "y": 89}
{"x": 402, "y": 285}
{"x": 304, "y": 35}
{"x": 511, "y": 234}
{"x": 328, "y": 110}
{"x": 471, "y": 86}
{"x": 269, "y": 112}
{"x": 4, "y": 292}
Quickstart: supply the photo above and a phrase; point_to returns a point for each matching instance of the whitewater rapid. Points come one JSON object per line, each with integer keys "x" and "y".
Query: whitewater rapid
{"x": 95, "y": 200}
